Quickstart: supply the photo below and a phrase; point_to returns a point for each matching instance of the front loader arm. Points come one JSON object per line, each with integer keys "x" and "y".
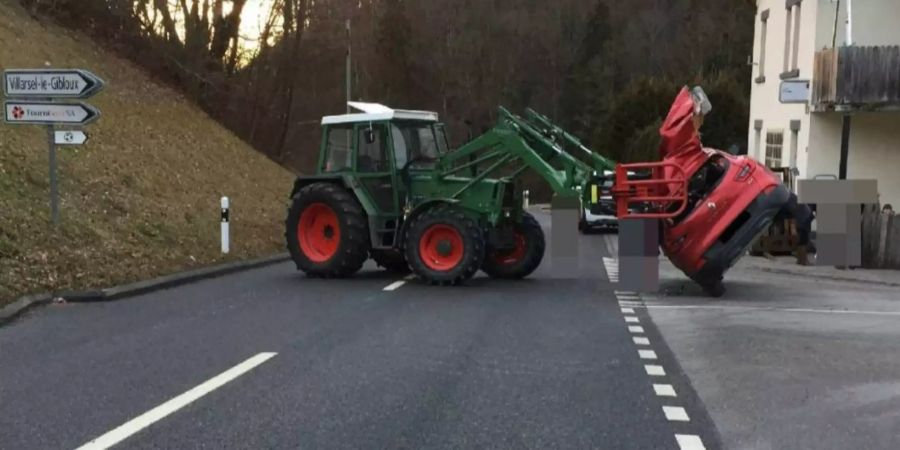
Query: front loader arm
{"x": 514, "y": 140}
{"x": 598, "y": 162}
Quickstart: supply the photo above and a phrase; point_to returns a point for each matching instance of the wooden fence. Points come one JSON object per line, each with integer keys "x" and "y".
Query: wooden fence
{"x": 880, "y": 239}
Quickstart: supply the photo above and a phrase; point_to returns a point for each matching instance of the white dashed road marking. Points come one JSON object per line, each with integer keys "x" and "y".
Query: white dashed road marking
{"x": 689, "y": 442}
{"x": 148, "y": 418}
{"x": 628, "y": 301}
{"x": 676, "y": 414}
{"x": 664, "y": 390}
{"x": 640, "y": 340}
{"x": 395, "y": 285}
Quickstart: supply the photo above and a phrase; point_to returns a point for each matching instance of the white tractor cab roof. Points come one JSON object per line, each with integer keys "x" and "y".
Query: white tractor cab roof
{"x": 371, "y": 112}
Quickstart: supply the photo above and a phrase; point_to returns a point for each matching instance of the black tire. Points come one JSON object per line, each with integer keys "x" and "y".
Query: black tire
{"x": 713, "y": 288}
{"x": 469, "y": 233}
{"x": 352, "y": 247}
{"x": 391, "y": 260}
{"x": 515, "y": 265}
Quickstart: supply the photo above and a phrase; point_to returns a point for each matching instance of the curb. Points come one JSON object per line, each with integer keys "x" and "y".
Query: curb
{"x": 9, "y": 312}
{"x": 15, "y": 309}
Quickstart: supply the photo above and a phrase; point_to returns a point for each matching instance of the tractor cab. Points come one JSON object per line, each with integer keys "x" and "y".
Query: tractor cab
{"x": 375, "y": 149}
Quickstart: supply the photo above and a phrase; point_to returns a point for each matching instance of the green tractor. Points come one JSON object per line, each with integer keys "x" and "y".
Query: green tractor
{"x": 388, "y": 187}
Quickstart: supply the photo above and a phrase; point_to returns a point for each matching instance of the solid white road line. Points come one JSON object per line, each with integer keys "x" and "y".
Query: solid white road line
{"x": 771, "y": 309}
{"x": 656, "y": 371}
{"x": 647, "y": 354}
{"x": 631, "y": 319}
{"x": 664, "y": 390}
{"x": 627, "y": 311}
{"x": 689, "y": 442}
{"x": 640, "y": 340}
{"x": 676, "y": 414}
{"x": 148, "y": 418}
{"x": 636, "y": 329}
{"x": 393, "y": 286}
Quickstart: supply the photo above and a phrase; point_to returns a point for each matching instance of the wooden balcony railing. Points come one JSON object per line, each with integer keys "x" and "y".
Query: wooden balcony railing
{"x": 857, "y": 78}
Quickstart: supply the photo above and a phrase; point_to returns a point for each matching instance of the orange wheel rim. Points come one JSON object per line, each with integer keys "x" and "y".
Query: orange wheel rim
{"x": 318, "y": 232}
{"x": 441, "y": 247}
{"x": 513, "y": 255}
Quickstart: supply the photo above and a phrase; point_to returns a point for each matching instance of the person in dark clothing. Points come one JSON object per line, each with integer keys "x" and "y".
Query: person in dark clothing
{"x": 803, "y": 217}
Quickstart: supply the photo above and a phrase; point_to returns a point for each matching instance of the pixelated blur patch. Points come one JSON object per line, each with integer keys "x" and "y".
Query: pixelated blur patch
{"x": 838, "y": 217}
{"x": 564, "y": 215}
{"x": 639, "y": 255}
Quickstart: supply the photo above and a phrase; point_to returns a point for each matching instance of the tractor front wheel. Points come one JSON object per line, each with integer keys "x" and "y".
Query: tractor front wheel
{"x": 524, "y": 258}
{"x": 444, "y": 246}
{"x": 326, "y": 231}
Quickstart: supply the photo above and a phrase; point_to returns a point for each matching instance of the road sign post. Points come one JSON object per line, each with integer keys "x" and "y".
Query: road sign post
{"x": 32, "y": 93}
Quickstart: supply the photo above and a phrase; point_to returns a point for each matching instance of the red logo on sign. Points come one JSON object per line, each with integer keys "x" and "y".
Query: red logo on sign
{"x": 18, "y": 112}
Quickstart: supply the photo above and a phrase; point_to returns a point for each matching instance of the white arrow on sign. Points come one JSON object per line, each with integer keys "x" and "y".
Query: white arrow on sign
{"x": 70, "y": 137}
{"x": 71, "y": 83}
{"x": 49, "y": 113}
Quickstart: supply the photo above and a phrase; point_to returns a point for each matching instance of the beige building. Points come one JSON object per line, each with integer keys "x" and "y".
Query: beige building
{"x": 815, "y": 75}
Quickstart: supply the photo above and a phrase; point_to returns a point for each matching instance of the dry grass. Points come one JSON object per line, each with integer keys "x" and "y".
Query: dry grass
{"x": 141, "y": 198}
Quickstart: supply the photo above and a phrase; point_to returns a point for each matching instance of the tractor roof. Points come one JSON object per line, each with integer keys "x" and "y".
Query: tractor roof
{"x": 373, "y": 111}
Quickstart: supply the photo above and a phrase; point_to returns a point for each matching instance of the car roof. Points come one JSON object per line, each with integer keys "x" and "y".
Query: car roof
{"x": 371, "y": 112}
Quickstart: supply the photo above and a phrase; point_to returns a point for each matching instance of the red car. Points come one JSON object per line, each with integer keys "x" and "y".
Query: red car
{"x": 730, "y": 199}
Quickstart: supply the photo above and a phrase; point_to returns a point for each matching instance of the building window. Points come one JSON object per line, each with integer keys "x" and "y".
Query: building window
{"x": 774, "y": 143}
{"x": 794, "y": 52}
{"x": 791, "y": 39}
{"x": 757, "y": 137}
{"x": 763, "y": 30}
{"x": 795, "y": 142}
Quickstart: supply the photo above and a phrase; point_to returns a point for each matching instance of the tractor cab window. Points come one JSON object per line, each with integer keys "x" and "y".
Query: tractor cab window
{"x": 371, "y": 156}
{"x": 337, "y": 149}
{"x": 441, "y": 137}
{"x": 415, "y": 143}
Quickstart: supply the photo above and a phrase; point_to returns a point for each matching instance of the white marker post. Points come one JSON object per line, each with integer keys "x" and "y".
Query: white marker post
{"x": 224, "y": 225}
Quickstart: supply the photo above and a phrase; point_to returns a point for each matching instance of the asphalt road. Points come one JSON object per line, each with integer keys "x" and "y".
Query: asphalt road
{"x": 270, "y": 359}
{"x": 787, "y": 361}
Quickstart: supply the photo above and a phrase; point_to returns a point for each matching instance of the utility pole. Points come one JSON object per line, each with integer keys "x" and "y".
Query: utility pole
{"x": 349, "y": 45}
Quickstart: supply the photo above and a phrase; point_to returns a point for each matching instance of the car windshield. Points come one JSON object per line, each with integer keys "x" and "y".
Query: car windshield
{"x": 415, "y": 143}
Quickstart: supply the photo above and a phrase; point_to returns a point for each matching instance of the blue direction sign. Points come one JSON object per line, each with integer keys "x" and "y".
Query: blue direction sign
{"x": 51, "y": 83}
{"x": 49, "y": 113}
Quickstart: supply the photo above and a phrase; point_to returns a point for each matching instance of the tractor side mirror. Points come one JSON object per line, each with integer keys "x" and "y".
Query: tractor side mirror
{"x": 370, "y": 135}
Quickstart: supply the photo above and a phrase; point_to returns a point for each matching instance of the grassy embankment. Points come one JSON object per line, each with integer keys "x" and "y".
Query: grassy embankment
{"x": 141, "y": 198}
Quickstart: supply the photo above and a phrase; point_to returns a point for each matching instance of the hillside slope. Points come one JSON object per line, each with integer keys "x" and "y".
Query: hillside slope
{"x": 141, "y": 198}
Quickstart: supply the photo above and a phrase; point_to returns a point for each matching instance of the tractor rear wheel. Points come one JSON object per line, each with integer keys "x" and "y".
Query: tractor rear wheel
{"x": 391, "y": 260}
{"x": 444, "y": 246}
{"x": 524, "y": 258}
{"x": 326, "y": 231}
